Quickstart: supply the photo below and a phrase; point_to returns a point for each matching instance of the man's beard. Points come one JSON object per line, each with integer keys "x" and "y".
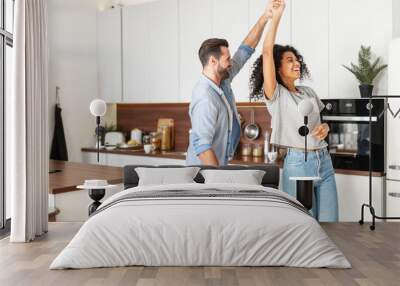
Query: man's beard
{"x": 223, "y": 73}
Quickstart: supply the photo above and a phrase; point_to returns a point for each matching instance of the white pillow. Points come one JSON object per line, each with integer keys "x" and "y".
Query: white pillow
{"x": 248, "y": 177}
{"x": 166, "y": 176}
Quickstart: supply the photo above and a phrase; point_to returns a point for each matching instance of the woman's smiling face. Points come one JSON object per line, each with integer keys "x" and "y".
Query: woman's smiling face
{"x": 290, "y": 67}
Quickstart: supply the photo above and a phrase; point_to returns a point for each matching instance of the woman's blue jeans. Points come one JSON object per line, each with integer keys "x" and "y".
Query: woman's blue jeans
{"x": 319, "y": 164}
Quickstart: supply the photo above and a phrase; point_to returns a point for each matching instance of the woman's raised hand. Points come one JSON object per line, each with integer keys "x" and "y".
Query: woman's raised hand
{"x": 268, "y": 10}
{"x": 277, "y": 7}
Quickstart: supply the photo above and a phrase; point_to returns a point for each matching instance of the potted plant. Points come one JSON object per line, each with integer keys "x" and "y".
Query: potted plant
{"x": 366, "y": 70}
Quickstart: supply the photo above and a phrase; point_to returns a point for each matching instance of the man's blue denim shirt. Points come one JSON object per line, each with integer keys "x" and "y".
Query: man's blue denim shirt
{"x": 212, "y": 127}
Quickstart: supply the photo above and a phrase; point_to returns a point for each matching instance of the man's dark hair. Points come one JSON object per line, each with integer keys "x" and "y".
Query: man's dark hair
{"x": 211, "y": 47}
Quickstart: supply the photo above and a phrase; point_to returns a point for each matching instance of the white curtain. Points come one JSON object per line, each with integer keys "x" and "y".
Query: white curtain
{"x": 27, "y": 151}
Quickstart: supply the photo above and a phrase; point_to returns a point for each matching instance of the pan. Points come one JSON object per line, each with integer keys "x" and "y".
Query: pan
{"x": 252, "y": 130}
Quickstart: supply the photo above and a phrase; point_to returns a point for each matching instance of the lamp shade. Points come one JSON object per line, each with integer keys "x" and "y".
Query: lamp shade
{"x": 305, "y": 107}
{"x": 98, "y": 107}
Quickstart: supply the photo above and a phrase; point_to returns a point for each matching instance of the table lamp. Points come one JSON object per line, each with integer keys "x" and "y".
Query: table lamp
{"x": 98, "y": 108}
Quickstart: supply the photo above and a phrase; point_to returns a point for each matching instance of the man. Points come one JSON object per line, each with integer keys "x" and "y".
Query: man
{"x": 215, "y": 122}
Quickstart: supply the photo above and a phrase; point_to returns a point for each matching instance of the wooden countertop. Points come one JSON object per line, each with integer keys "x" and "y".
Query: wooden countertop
{"x": 237, "y": 160}
{"x": 74, "y": 174}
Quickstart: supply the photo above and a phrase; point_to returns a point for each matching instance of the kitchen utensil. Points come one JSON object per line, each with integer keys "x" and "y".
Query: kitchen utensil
{"x": 252, "y": 130}
{"x": 114, "y": 138}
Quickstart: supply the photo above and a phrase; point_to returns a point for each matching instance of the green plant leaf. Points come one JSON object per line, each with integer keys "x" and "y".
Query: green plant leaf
{"x": 365, "y": 72}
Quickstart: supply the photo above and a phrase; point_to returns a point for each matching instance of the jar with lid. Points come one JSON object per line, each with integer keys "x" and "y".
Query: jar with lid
{"x": 258, "y": 150}
{"x": 146, "y": 139}
{"x": 165, "y": 138}
{"x": 155, "y": 140}
{"x": 246, "y": 149}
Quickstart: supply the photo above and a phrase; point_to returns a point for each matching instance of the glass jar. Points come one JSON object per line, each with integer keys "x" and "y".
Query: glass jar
{"x": 146, "y": 139}
{"x": 155, "y": 141}
{"x": 165, "y": 138}
{"x": 258, "y": 150}
{"x": 246, "y": 150}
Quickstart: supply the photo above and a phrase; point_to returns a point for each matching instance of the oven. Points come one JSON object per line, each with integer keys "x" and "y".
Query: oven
{"x": 348, "y": 140}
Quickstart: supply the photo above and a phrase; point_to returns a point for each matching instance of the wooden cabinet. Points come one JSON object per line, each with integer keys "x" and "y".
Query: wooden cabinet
{"x": 109, "y": 55}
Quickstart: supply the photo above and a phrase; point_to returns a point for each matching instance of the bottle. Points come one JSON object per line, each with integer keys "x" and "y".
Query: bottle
{"x": 266, "y": 144}
{"x": 165, "y": 138}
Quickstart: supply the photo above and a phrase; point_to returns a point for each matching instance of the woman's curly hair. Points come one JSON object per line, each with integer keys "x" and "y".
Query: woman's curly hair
{"x": 257, "y": 76}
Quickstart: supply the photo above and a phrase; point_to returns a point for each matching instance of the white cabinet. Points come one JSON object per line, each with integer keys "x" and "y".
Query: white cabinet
{"x": 135, "y": 54}
{"x": 91, "y": 158}
{"x": 393, "y": 140}
{"x": 231, "y": 22}
{"x": 195, "y": 26}
{"x": 109, "y": 55}
{"x": 393, "y": 198}
{"x": 163, "y": 48}
{"x": 117, "y": 160}
{"x": 150, "y": 52}
{"x": 352, "y": 24}
{"x": 353, "y": 192}
{"x": 309, "y": 36}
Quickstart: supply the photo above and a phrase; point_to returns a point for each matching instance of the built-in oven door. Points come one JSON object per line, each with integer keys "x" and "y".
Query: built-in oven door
{"x": 348, "y": 140}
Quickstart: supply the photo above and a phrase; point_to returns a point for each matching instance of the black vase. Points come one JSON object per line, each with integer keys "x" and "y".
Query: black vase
{"x": 366, "y": 90}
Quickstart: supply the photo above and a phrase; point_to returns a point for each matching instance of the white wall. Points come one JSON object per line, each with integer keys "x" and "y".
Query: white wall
{"x": 325, "y": 33}
{"x": 72, "y": 65}
{"x": 396, "y": 18}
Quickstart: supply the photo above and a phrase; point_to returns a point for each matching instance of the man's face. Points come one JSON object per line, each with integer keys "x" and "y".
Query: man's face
{"x": 224, "y": 64}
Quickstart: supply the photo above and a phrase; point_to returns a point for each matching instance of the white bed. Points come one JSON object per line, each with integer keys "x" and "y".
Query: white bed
{"x": 265, "y": 229}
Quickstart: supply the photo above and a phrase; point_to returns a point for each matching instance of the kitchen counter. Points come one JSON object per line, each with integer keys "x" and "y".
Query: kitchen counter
{"x": 237, "y": 160}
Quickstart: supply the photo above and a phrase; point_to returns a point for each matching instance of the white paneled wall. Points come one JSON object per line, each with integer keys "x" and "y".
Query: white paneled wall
{"x": 195, "y": 25}
{"x": 352, "y": 23}
{"x": 135, "y": 54}
{"x": 316, "y": 51}
{"x": 109, "y": 60}
{"x": 161, "y": 41}
{"x": 163, "y": 50}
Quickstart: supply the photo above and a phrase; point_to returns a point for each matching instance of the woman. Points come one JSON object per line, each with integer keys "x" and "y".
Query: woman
{"x": 274, "y": 75}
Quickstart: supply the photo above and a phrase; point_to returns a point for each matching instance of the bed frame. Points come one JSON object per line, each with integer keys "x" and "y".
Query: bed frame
{"x": 270, "y": 179}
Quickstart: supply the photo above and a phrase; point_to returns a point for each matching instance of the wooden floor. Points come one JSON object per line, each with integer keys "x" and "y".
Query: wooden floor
{"x": 375, "y": 257}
